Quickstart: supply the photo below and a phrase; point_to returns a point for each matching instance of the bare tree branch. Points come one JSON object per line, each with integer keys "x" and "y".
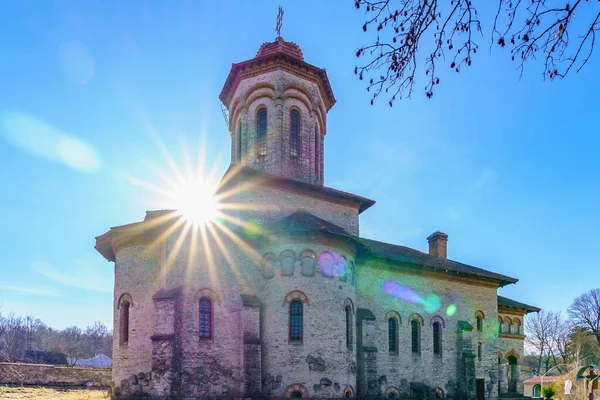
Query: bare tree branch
{"x": 405, "y": 27}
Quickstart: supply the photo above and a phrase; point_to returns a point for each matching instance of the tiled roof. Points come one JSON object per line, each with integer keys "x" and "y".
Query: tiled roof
{"x": 538, "y": 379}
{"x": 506, "y": 302}
{"x": 411, "y": 256}
{"x": 237, "y": 173}
{"x": 302, "y": 221}
{"x": 280, "y": 46}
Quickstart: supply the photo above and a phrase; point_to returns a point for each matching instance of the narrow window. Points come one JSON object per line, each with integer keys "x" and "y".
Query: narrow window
{"x": 479, "y": 323}
{"x": 415, "y": 336}
{"x": 124, "y": 322}
{"x": 294, "y": 133}
{"x": 317, "y": 153}
{"x": 239, "y": 141}
{"x": 205, "y": 318}
{"x": 296, "y": 320}
{"x": 261, "y": 132}
{"x": 348, "y": 327}
{"x": 392, "y": 335}
{"x": 479, "y": 351}
{"x": 437, "y": 338}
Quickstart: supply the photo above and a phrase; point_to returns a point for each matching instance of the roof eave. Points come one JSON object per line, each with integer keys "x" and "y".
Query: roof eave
{"x": 236, "y": 67}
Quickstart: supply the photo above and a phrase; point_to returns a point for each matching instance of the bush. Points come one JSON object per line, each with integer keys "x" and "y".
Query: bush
{"x": 548, "y": 392}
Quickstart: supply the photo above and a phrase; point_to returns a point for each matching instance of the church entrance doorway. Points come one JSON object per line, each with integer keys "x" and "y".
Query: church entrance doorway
{"x": 513, "y": 374}
{"x": 480, "y": 389}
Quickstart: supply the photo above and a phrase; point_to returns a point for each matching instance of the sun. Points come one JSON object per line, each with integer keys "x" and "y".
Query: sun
{"x": 196, "y": 203}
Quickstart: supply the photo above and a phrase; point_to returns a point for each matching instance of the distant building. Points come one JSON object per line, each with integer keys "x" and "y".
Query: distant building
{"x": 98, "y": 361}
{"x": 286, "y": 299}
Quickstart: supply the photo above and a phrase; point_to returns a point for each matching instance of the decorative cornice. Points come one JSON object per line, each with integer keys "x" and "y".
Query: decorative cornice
{"x": 512, "y": 336}
{"x": 279, "y": 61}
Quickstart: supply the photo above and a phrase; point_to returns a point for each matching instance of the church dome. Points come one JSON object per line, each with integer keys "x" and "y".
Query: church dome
{"x": 280, "y": 46}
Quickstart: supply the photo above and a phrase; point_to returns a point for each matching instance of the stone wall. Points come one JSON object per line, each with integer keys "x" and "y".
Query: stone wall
{"x": 49, "y": 375}
{"x": 459, "y": 364}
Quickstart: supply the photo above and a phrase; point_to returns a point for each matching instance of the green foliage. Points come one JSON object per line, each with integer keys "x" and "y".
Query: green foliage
{"x": 548, "y": 391}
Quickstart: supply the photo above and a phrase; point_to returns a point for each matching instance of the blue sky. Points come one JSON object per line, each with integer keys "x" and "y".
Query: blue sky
{"x": 507, "y": 167}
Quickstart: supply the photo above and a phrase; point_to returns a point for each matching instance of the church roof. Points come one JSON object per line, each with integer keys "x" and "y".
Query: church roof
{"x": 302, "y": 221}
{"x": 280, "y": 46}
{"x": 237, "y": 173}
{"x": 283, "y": 55}
{"x": 404, "y": 254}
{"x": 510, "y": 303}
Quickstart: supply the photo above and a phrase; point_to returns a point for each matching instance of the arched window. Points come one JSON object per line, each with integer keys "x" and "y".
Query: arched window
{"x": 295, "y": 320}
{"x": 348, "y": 327}
{"x": 415, "y": 329}
{"x": 287, "y": 258}
{"x": 294, "y": 133}
{"x": 393, "y": 335}
{"x": 517, "y": 325}
{"x": 239, "y": 141}
{"x": 537, "y": 391}
{"x": 479, "y": 320}
{"x": 479, "y": 355}
{"x": 205, "y": 318}
{"x": 437, "y": 338}
{"x": 296, "y": 395}
{"x": 124, "y": 321}
{"x": 261, "y": 133}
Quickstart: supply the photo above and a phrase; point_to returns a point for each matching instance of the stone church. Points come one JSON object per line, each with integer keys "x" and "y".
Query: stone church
{"x": 284, "y": 298}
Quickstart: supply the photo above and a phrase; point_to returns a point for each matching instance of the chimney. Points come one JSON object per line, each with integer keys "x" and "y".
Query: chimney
{"x": 438, "y": 244}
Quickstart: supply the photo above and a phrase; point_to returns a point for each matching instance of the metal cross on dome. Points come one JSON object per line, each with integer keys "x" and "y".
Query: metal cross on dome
{"x": 279, "y": 20}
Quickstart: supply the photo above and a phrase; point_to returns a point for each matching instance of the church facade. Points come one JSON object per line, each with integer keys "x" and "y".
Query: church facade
{"x": 283, "y": 297}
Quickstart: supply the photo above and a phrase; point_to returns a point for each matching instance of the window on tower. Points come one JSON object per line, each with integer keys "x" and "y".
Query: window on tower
{"x": 294, "y": 133}
{"x": 261, "y": 133}
{"x": 239, "y": 141}
{"x": 317, "y": 152}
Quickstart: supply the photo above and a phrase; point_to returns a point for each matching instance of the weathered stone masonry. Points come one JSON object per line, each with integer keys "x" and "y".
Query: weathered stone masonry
{"x": 284, "y": 298}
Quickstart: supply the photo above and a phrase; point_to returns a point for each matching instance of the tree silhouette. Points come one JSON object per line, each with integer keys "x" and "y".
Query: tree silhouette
{"x": 444, "y": 31}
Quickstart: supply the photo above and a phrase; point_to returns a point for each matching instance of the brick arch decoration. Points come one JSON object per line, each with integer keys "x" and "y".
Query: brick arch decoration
{"x": 393, "y": 314}
{"x": 513, "y": 353}
{"x": 437, "y": 318}
{"x": 394, "y": 390}
{"x": 347, "y": 303}
{"x": 416, "y": 317}
{"x": 268, "y": 257}
{"x": 517, "y": 321}
{"x": 499, "y": 319}
{"x": 507, "y": 320}
{"x": 295, "y": 295}
{"x": 300, "y": 97}
{"x": 439, "y": 393}
{"x": 124, "y": 297}
{"x": 348, "y": 392}
{"x": 308, "y": 253}
{"x": 295, "y": 387}
{"x": 287, "y": 253}
{"x": 479, "y": 313}
{"x": 206, "y": 293}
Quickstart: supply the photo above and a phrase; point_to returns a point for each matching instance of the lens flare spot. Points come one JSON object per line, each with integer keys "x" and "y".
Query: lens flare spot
{"x": 45, "y": 141}
{"x": 252, "y": 229}
{"x": 451, "y": 310}
{"x": 402, "y": 292}
{"x": 332, "y": 263}
{"x": 75, "y": 62}
{"x": 432, "y": 303}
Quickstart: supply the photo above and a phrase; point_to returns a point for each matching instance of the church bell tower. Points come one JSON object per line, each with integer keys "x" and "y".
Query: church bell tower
{"x": 278, "y": 106}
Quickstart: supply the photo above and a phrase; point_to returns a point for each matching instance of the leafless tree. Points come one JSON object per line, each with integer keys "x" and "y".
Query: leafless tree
{"x": 542, "y": 328}
{"x": 585, "y": 312}
{"x": 446, "y": 33}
